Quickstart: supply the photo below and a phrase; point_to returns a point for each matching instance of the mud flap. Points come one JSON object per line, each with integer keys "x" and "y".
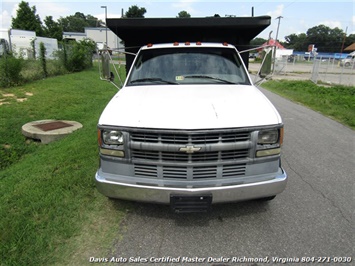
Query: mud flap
{"x": 190, "y": 204}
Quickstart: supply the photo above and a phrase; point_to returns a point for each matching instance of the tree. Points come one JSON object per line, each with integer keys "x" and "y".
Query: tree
{"x": 52, "y": 29}
{"x": 257, "y": 42}
{"x": 183, "y": 14}
{"x": 325, "y": 39}
{"x": 78, "y": 22}
{"x": 135, "y": 12}
{"x": 298, "y": 42}
{"x": 93, "y": 21}
{"x": 27, "y": 19}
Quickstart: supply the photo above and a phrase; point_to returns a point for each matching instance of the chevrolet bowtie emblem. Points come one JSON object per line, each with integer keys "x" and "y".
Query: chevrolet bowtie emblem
{"x": 189, "y": 149}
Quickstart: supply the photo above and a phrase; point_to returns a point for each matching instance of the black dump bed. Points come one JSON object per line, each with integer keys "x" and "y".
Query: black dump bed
{"x": 239, "y": 31}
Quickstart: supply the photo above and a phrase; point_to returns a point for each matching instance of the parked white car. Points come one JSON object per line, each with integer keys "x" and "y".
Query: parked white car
{"x": 349, "y": 60}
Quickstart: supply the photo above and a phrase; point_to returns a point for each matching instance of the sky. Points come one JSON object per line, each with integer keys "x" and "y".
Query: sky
{"x": 296, "y": 16}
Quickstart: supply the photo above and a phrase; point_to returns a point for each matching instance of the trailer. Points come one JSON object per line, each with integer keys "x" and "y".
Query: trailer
{"x": 25, "y": 44}
{"x": 50, "y": 44}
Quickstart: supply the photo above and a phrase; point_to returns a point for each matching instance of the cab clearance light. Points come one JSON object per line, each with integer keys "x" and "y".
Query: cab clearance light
{"x": 149, "y": 45}
{"x": 225, "y": 44}
{"x": 177, "y": 44}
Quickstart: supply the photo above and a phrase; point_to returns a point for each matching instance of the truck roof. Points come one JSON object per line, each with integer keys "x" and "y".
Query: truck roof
{"x": 137, "y": 32}
{"x": 187, "y": 44}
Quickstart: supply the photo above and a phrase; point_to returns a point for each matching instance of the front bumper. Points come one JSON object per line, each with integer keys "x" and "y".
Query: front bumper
{"x": 220, "y": 194}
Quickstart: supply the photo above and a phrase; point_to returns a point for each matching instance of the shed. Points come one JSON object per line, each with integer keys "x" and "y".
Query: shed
{"x": 136, "y": 32}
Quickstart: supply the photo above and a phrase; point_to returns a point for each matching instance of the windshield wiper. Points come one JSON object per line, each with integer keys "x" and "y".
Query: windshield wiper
{"x": 210, "y": 77}
{"x": 152, "y": 80}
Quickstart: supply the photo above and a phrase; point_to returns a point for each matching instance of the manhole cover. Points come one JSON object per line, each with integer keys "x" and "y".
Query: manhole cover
{"x": 49, "y": 130}
{"x": 52, "y": 125}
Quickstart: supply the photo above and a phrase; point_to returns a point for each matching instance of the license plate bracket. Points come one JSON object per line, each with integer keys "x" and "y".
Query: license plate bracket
{"x": 189, "y": 204}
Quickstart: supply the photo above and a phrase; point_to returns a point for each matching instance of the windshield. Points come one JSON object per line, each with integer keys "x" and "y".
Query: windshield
{"x": 188, "y": 66}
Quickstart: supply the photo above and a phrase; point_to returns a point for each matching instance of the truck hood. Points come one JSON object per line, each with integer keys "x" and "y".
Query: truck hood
{"x": 189, "y": 107}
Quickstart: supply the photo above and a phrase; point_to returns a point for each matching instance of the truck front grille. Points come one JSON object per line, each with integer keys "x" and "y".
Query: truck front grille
{"x": 166, "y": 155}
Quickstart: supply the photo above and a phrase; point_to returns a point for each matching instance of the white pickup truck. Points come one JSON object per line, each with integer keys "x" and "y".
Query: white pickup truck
{"x": 189, "y": 129}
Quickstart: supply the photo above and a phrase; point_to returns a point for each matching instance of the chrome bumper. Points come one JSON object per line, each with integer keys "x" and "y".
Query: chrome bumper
{"x": 155, "y": 194}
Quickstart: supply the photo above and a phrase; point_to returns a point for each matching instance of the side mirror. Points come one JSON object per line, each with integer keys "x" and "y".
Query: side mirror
{"x": 265, "y": 68}
{"x": 105, "y": 66}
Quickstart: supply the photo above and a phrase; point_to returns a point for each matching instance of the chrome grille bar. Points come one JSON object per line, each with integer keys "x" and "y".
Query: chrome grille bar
{"x": 189, "y": 172}
{"x": 165, "y": 155}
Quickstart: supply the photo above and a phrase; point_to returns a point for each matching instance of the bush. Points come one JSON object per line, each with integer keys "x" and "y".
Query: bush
{"x": 42, "y": 58}
{"x": 77, "y": 56}
{"x": 73, "y": 57}
{"x": 10, "y": 70}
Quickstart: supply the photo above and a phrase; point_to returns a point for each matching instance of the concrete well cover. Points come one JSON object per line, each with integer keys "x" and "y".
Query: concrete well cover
{"x": 49, "y": 130}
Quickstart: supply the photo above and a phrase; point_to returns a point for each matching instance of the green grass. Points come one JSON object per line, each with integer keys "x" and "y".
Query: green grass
{"x": 50, "y": 211}
{"x": 337, "y": 102}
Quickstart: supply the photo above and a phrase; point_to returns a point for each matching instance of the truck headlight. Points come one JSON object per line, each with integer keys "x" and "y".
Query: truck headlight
{"x": 269, "y": 142}
{"x": 112, "y": 137}
{"x": 268, "y": 136}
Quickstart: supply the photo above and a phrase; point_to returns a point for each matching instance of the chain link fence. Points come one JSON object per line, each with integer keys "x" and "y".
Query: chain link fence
{"x": 320, "y": 71}
{"x": 327, "y": 71}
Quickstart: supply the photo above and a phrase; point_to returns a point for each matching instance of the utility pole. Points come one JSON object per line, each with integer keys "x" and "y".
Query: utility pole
{"x": 342, "y": 45}
{"x": 277, "y": 34}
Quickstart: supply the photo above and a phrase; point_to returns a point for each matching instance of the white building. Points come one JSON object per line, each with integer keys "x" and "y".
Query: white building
{"x": 76, "y": 36}
{"x": 98, "y": 35}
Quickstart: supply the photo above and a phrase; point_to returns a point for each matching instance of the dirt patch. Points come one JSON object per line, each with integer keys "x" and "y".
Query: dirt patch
{"x": 8, "y": 95}
{"x": 2, "y": 101}
{"x": 21, "y": 100}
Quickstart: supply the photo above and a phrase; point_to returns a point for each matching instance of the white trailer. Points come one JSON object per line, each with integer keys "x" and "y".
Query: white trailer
{"x": 22, "y": 43}
{"x": 50, "y": 44}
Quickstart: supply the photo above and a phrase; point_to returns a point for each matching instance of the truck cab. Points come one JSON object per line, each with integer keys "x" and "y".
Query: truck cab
{"x": 190, "y": 129}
